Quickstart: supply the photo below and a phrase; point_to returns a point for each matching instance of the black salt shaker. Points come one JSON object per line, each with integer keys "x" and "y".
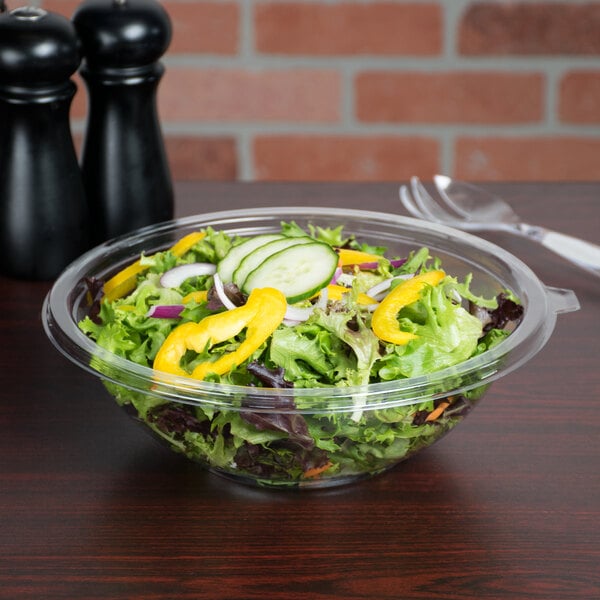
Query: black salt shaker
{"x": 43, "y": 217}
{"x": 124, "y": 163}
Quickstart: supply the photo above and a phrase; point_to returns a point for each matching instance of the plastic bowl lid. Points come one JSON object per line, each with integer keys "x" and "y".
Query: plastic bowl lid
{"x": 494, "y": 269}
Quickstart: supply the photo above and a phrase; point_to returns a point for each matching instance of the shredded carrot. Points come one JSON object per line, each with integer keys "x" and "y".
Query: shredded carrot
{"x": 434, "y": 414}
{"x": 316, "y": 471}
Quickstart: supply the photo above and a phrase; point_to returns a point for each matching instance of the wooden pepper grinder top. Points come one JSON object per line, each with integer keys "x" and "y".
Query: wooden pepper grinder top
{"x": 124, "y": 164}
{"x": 43, "y": 216}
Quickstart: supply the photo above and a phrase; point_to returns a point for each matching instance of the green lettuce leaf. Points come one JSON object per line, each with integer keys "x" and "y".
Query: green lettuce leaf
{"x": 302, "y": 357}
{"x": 351, "y": 329}
{"x": 447, "y": 335}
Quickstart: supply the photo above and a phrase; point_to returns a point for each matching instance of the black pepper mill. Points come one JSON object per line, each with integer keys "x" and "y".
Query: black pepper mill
{"x": 43, "y": 217}
{"x": 124, "y": 164}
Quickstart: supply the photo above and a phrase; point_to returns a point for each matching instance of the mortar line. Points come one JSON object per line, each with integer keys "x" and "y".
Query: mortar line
{"x": 243, "y": 138}
{"x": 231, "y": 128}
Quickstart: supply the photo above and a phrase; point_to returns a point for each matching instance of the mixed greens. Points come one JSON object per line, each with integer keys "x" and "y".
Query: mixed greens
{"x": 295, "y": 309}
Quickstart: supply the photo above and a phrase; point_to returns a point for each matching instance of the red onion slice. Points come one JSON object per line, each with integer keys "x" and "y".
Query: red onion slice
{"x": 398, "y": 262}
{"x": 295, "y": 315}
{"x": 227, "y": 303}
{"x": 367, "y": 266}
{"x": 177, "y": 275}
{"x": 336, "y": 275}
{"x": 384, "y": 286}
{"x": 165, "y": 311}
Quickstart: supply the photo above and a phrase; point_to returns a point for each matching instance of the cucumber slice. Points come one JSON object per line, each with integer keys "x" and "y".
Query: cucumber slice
{"x": 298, "y": 271}
{"x": 258, "y": 256}
{"x": 236, "y": 254}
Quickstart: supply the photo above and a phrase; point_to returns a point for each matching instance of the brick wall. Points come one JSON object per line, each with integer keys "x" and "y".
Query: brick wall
{"x": 372, "y": 90}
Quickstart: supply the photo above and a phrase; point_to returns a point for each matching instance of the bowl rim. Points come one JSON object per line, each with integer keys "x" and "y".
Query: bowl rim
{"x": 61, "y": 327}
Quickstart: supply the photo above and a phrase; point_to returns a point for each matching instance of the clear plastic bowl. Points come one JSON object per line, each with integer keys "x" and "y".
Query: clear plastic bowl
{"x": 368, "y": 429}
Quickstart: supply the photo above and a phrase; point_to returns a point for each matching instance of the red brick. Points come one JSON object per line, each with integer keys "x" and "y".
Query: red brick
{"x": 504, "y": 28}
{"x": 237, "y": 95}
{"x": 381, "y": 28}
{"x": 78, "y": 142}
{"x": 455, "y": 97}
{"x": 343, "y": 158}
{"x": 80, "y": 101}
{"x": 208, "y": 27}
{"x": 580, "y": 97}
{"x": 62, "y": 7}
{"x": 194, "y": 158}
{"x": 528, "y": 159}
{"x": 202, "y": 158}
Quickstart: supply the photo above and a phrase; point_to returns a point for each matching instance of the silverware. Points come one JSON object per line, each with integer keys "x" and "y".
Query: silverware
{"x": 470, "y": 208}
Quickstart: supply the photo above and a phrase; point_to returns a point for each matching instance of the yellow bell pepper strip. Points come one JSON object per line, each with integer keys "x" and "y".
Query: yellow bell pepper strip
{"x": 187, "y": 242}
{"x": 384, "y": 322}
{"x": 124, "y": 281}
{"x": 335, "y": 292}
{"x": 261, "y": 315}
{"x": 198, "y": 296}
{"x": 126, "y": 307}
{"x": 356, "y": 257}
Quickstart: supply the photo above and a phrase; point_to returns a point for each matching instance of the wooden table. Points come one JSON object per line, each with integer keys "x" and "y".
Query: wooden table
{"x": 507, "y": 506}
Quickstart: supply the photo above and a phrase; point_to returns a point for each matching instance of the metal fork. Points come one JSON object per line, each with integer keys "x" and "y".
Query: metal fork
{"x": 467, "y": 207}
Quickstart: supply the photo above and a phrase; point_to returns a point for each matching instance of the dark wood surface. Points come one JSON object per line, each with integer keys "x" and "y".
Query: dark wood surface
{"x": 506, "y": 506}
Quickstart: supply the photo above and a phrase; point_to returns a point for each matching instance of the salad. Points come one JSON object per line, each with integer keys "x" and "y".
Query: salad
{"x": 314, "y": 308}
